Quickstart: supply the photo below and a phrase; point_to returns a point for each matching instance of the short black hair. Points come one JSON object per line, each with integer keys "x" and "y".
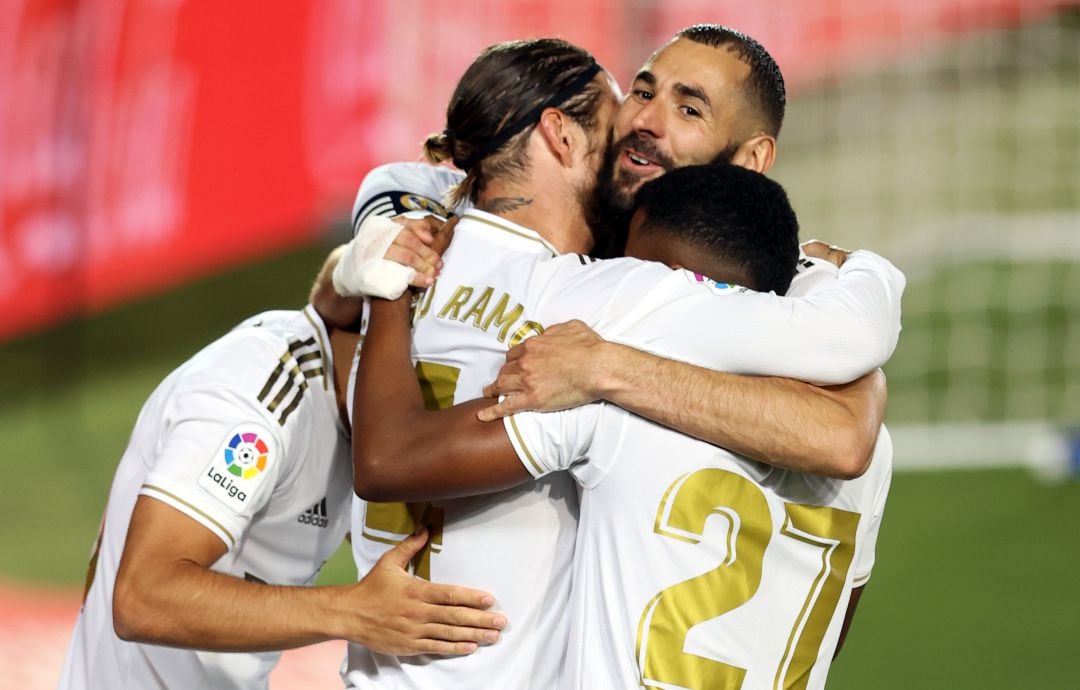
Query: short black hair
{"x": 765, "y": 84}
{"x": 738, "y": 217}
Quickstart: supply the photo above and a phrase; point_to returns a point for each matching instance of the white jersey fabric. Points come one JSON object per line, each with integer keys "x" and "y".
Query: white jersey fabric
{"x": 502, "y": 283}
{"x": 245, "y": 438}
{"x": 696, "y": 567}
{"x": 401, "y": 189}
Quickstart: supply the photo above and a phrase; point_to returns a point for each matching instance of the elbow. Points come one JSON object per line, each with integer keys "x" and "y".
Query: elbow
{"x": 372, "y": 479}
{"x": 851, "y": 464}
{"x": 850, "y": 456}
{"x": 132, "y": 617}
{"x": 854, "y": 360}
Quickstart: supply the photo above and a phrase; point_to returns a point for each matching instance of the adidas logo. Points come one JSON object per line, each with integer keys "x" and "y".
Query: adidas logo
{"x": 315, "y": 515}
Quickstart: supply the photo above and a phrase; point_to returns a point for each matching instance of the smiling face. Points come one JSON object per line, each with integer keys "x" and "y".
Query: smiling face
{"x": 685, "y": 107}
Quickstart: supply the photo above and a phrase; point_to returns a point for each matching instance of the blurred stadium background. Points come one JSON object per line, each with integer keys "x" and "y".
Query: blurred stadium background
{"x": 169, "y": 167}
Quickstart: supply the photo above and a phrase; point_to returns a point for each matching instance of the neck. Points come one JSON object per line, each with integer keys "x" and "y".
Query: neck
{"x": 557, "y": 217}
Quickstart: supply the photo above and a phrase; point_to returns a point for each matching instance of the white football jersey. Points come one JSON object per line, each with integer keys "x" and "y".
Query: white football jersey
{"x": 245, "y": 438}
{"x": 502, "y": 283}
{"x": 698, "y": 568}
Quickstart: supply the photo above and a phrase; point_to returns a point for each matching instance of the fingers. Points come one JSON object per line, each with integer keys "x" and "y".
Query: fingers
{"x": 828, "y": 252}
{"x": 408, "y": 250}
{"x": 509, "y": 381}
{"x": 412, "y": 247}
{"x": 452, "y": 595}
{"x": 444, "y": 235}
{"x": 461, "y": 623}
{"x": 442, "y": 648}
{"x": 400, "y": 555}
{"x": 458, "y": 633}
{"x": 504, "y": 408}
{"x": 516, "y": 352}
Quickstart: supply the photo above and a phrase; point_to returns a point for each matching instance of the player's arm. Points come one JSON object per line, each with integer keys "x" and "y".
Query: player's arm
{"x": 829, "y": 431}
{"x": 848, "y": 615}
{"x": 844, "y": 331}
{"x": 401, "y": 450}
{"x": 166, "y": 594}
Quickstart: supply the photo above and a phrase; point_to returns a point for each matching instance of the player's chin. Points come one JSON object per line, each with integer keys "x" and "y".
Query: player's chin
{"x": 628, "y": 183}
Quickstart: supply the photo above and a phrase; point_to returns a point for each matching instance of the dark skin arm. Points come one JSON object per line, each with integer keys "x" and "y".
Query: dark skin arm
{"x": 848, "y": 615}
{"x": 404, "y": 452}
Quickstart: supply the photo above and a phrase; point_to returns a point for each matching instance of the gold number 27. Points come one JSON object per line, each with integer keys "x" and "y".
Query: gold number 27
{"x": 686, "y": 506}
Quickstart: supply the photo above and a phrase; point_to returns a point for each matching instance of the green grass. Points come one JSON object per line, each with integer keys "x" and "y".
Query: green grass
{"x": 974, "y": 587}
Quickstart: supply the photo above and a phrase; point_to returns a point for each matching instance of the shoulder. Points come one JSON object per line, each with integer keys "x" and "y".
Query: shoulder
{"x": 397, "y": 188}
{"x": 267, "y": 360}
{"x": 576, "y": 271}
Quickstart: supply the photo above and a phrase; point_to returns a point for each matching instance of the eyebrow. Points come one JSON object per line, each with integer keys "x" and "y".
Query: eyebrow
{"x": 693, "y": 92}
{"x": 680, "y": 88}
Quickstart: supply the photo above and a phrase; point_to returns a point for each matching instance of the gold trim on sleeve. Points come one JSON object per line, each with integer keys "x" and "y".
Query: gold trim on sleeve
{"x": 525, "y": 449}
{"x": 176, "y": 498}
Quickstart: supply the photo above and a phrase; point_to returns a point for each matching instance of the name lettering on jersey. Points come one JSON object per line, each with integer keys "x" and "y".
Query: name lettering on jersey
{"x": 240, "y": 466}
{"x": 479, "y": 312}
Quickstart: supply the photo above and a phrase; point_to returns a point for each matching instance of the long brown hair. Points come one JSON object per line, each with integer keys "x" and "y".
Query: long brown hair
{"x": 498, "y": 101}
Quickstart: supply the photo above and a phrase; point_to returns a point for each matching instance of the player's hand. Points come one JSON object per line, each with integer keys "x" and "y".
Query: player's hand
{"x": 552, "y": 371}
{"x": 403, "y": 615}
{"x": 829, "y": 252}
{"x": 415, "y": 247}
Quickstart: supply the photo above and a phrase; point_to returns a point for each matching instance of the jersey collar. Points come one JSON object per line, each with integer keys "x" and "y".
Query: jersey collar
{"x": 504, "y": 231}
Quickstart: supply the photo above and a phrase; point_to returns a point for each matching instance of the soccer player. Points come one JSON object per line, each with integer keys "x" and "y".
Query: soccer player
{"x": 694, "y": 567}
{"x": 531, "y": 160}
{"x": 232, "y": 493}
{"x": 712, "y": 93}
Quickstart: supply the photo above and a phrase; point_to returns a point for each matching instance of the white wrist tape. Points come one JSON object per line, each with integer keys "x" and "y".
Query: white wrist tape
{"x": 362, "y": 270}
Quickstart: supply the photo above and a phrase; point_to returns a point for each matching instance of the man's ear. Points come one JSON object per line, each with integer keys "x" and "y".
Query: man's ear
{"x": 756, "y": 153}
{"x": 557, "y": 130}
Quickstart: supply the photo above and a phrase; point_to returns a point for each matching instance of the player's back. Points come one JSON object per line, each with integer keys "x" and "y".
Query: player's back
{"x": 697, "y": 568}
{"x": 203, "y": 414}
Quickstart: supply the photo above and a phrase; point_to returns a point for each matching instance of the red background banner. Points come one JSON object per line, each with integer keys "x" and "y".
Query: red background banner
{"x": 147, "y": 142}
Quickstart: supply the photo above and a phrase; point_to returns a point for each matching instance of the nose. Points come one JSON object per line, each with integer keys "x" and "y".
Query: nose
{"x": 648, "y": 119}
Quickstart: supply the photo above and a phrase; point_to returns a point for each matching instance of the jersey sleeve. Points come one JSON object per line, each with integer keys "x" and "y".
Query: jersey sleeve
{"x": 548, "y": 442}
{"x": 881, "y": 471}
{"x": 404, "y": 188}
{"x": 840, "y": 332}
{"x": 222, "y": 449}
{"x": 811, "y": 274}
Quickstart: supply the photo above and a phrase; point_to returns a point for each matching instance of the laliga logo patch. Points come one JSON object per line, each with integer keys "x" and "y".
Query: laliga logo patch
{"x": 246, "y": 455}
{"x": 238, "y": 469}
{"x": 717, "y": 287}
